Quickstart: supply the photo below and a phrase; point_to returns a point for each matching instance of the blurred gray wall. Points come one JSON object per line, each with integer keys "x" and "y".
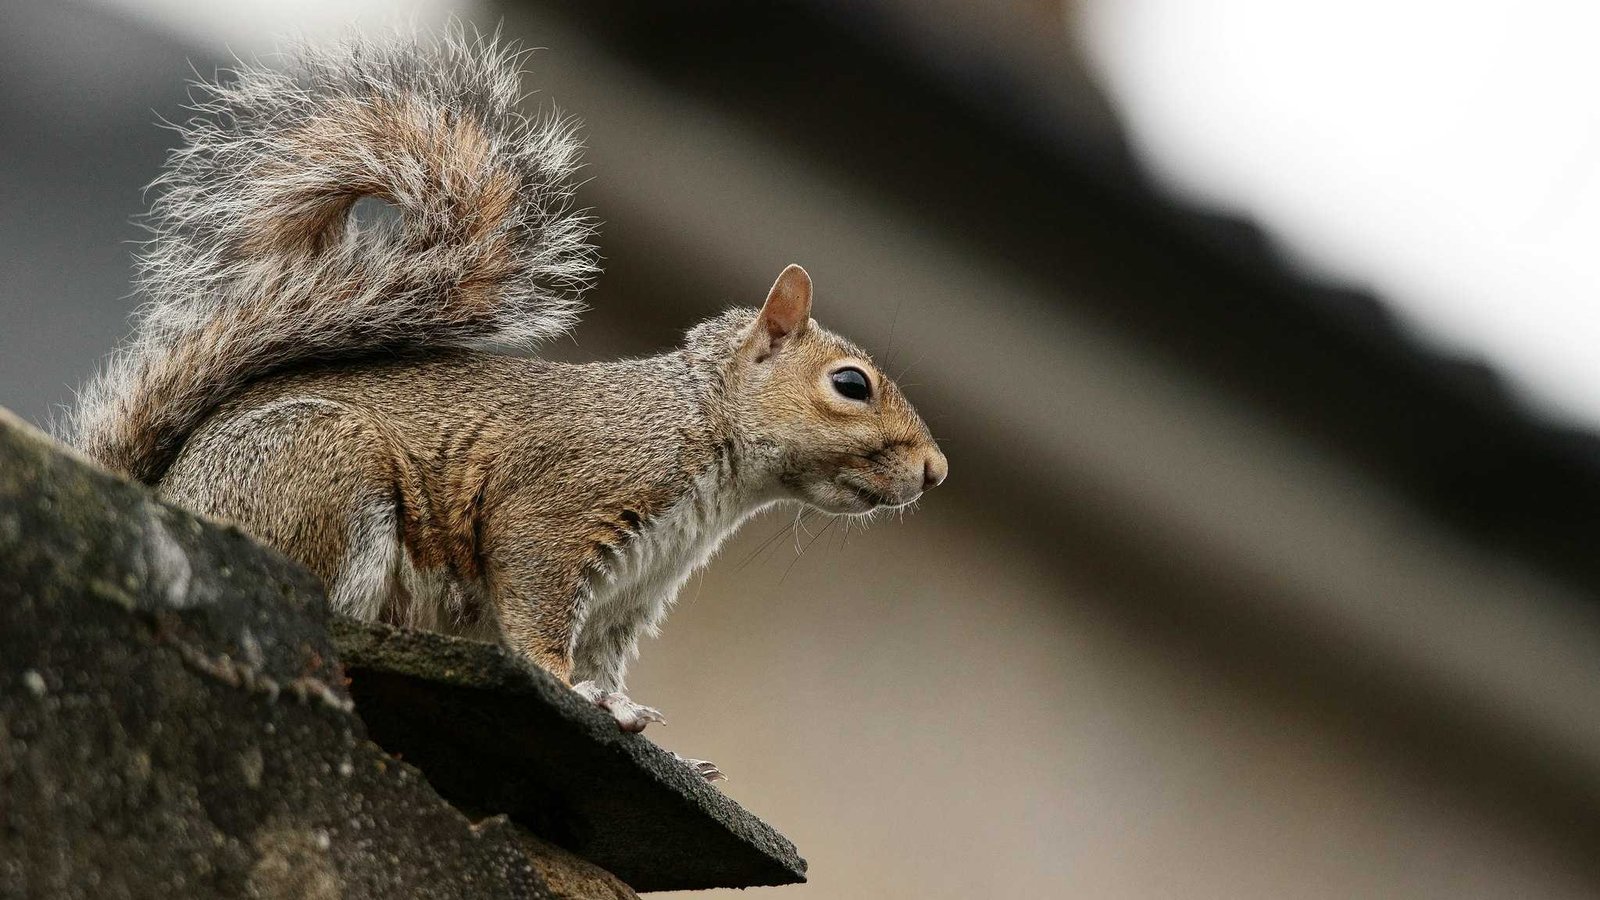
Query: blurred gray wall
{"x": 79, "y": 94}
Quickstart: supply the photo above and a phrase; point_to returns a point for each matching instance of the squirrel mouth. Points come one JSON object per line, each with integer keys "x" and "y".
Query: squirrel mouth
{"x": 871, "y": 497}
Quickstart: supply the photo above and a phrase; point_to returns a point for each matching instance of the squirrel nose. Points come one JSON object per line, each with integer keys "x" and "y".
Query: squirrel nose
{"x": 934, "y": 469}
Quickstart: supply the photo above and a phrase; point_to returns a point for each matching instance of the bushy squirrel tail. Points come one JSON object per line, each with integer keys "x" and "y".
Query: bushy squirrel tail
{"x": 257, "y": 266}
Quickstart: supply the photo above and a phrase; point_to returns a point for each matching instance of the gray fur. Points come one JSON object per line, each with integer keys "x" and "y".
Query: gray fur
{"x": 256, "y": 267}
{"x": 330, "y": 387}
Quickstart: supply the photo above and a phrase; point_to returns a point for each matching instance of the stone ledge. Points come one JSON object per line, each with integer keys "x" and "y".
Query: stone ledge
{"x": 174, "y": 721}
{"x": 496, "y": 735}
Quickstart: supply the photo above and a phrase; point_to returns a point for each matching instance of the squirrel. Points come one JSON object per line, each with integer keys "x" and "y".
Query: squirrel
{"x": 342, "y": 390}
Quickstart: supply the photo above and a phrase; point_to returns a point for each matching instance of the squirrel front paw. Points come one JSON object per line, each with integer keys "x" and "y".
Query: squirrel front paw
{"x": 634, "y": 717}
{"x": 703, "y": 767}
{"x": 630, "y": 716}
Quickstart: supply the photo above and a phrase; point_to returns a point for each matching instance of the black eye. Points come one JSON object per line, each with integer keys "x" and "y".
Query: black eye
{"x": 852, "y": 383}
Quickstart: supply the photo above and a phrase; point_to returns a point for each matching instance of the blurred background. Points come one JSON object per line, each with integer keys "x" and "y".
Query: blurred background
{"x": 1262, "y": 339}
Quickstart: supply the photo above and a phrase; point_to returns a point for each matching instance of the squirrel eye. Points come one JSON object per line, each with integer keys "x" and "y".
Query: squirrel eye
{"x": 852, "y": 383}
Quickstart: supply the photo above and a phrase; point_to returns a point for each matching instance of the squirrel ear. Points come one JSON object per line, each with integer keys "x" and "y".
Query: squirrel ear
{"x": 788, "y": 307}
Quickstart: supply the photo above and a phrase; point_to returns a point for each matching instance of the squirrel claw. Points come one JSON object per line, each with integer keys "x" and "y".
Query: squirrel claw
{"x": 621, "y": 707}
{"x": 703, "y": 767}
{"x": 630, "y": 716}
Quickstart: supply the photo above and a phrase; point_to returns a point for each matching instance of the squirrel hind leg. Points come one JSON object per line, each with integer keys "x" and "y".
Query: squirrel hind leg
{"x": 366, "y": 584}
{"x": 314, "y": 479}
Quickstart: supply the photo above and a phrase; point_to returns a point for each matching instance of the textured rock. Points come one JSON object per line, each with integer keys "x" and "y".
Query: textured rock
{"x": 498, "y": 736}
{"x": 176, "y": 721}
{"x": 570, "y": 875}
{"x": 173, "y": 723}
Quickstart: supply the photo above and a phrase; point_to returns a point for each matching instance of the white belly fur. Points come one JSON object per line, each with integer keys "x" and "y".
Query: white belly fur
{"x": 633, "y": 589}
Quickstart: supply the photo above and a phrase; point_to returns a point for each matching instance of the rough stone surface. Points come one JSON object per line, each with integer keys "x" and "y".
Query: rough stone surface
{"x": 498, "y": 736}
{"x": 570, "y": 875}
{"x": 173, "y": 723}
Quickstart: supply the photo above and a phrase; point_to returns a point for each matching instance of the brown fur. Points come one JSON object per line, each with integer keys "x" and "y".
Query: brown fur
{"x": 518, "y": 477}
{"x": 325, "y": 389}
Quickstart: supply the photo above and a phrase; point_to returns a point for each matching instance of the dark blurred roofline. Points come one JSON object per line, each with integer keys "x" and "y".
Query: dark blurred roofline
{"x": 979, "y": 151}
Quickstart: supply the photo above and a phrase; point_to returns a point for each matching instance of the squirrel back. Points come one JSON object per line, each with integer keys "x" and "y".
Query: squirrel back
{"x": 258, "y": 267}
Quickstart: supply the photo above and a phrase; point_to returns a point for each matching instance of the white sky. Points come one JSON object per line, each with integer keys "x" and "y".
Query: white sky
{"x": 1446, "y": 154}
